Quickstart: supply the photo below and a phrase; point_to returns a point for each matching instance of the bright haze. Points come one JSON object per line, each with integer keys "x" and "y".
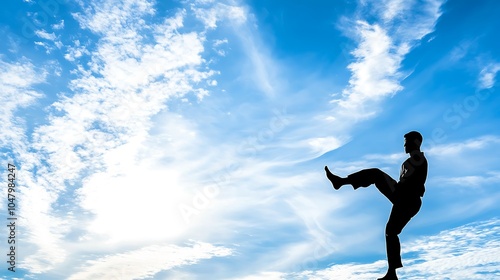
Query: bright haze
{"x": 187, "y": 139}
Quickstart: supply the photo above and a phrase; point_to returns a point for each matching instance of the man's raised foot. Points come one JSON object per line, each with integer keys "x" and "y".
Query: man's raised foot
{"x": 334, "y": 179}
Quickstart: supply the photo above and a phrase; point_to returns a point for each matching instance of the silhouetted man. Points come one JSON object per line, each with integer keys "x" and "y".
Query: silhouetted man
{"x": 405, "y": 195}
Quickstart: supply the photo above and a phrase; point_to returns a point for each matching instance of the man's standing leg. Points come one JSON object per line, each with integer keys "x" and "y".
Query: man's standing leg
{"x": 401, "y": 214}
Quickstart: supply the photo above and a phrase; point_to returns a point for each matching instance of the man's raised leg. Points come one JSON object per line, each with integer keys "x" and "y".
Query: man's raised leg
{"x": 384, "y": 183}
{"x": 363, "y": 178}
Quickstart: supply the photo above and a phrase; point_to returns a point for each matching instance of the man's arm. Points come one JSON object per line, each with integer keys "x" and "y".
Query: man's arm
{"x": 413, "y": 175}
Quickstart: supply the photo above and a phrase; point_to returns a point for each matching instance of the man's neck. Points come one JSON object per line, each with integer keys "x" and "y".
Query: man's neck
{"x": 414, "y": 152}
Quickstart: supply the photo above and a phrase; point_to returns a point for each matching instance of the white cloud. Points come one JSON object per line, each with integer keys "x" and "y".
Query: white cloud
{"x": 322, "y": 145}
{"x": 59, "y": 25}
{"x": 45, "y": 35}
{"x": 17, "y": 81}
{"x": 220, "y": 12}
{"x": 471, "y": 180}
{"x": 259, "y": 69}
{"x": 147, "y": 261}
{"x": 419, "y": 24}
{"x": 98, "y": 129}
{"x": 19, "y": 75}
{"x": 394, "y": 8}
{"x": 155, "y": 205}
{"x": 487, "y": 75}
{"x": 459, "y": 51}
{"x": 46, "y": 46}
{"x": 112, "y": 130}
{"x": 389, "y": 158}
{"x": 376, "y": 72}
{"x": 466, "y": 252}
{"x": 454, "y": 149}
{"x": 220, "y": 42}
{"x": 344, "y": 271}
{"x": 115, "y": 18}
{"x": 76, "y": 51}
{"x": 461, "y": 253}
{"x": 265, "y": 276}
{"x": 217, "y": 46}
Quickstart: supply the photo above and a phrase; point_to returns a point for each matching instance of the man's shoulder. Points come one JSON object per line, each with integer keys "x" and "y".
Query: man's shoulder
{"x": 417, "y": 158}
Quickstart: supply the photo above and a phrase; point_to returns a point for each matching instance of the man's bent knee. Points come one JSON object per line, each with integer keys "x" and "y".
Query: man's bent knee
{"x": 374, "y": 170}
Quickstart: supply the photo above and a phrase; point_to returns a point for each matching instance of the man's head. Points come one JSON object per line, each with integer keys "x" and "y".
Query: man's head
{"x": 413, "y": 140}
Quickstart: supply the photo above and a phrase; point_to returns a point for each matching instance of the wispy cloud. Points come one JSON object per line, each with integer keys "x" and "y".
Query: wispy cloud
{"x": 17, "y": 81}
{"x": 376, "y": 71}
{"x": 466, "y": 252}
{"x": 374, "y": 74}
{"x": 147, "y": 261}
{"x": 151, "y": 129}
{"x": 210, "y": 13}
{"x": 455, "y": 149}
{"x": 134, "y": 69}
{"x": 487, "y": 75}
{"x": 394, "y": 8}
{"x": 260, "y": 69}
{"x": 471, "y": 180}
{"x": 45, "y": 35}
{"x": 58, "y": 26}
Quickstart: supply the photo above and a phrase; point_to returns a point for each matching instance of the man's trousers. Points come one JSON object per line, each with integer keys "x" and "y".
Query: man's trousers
{"x": 403, "y": 208}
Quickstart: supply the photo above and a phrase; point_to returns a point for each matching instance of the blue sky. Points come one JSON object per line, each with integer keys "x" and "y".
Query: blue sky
{"x": 187, "y": 139}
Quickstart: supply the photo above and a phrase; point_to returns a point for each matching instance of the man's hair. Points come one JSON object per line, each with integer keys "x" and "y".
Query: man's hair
{"x": 415, "y": 137}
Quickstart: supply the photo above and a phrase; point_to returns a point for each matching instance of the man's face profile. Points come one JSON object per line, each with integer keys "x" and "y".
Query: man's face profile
{"x": 410, "y": 145}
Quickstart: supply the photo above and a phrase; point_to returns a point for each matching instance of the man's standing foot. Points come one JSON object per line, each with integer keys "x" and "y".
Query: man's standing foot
{"x": 336, "y": 180}
{"x": 391, "y": 275}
